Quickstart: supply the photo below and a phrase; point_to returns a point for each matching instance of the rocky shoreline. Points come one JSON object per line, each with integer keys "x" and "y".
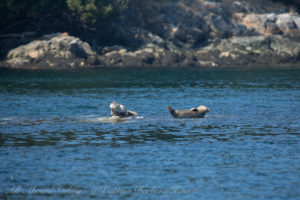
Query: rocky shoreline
{"x": 181, "y": 33}
{"x": 63, "y": 51}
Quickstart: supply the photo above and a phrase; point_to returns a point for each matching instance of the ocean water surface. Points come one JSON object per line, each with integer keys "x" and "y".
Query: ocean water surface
{"x": 57, "y": 140}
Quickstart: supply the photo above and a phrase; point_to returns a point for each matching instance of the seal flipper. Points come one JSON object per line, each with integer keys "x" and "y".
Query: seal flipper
{"x": 172, "y": 111}
{"x": 131, "y": 113}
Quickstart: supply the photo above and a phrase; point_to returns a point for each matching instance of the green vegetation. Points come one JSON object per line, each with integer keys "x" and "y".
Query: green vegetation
{"x": 92, "y": 11}
{"x": 89, "y": 11}
{"x": 14, "y": 10}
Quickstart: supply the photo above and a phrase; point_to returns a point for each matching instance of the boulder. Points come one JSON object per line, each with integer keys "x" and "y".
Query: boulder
{"x": 287, "y": 24}
{"x": 52, "y": 51}
{"x": 147, "y": 55}
{"x": 219, "y": 26}
{"x": 272, "y": 24}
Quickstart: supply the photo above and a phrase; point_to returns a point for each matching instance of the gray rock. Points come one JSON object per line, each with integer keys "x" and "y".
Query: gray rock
{"x": 296, "y": 20}
{"x": 286, "y": 23}
{"x": 253, "y": 50}
{"x": 188, "y": 37}
{"x": 272, "y": 24}
{"x": 219, "y": 26}
{"x": 271, "y": 17}
{"x": 55, "y": 50}
{"x": 271, "y": 28}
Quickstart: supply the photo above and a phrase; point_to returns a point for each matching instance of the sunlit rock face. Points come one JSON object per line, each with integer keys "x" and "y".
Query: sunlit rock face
{"x": 273, "y": 24}
{"x": 52, "y": 51}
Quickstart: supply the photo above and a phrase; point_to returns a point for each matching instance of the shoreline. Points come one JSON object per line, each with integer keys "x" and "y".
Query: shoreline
{"x": 60, "y": 50}
{"x": 163, "y": 68}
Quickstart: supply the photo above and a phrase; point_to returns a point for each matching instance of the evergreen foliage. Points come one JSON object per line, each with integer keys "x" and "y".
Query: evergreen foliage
{"x": 89, "y": 11}
{"x": 92, "y": 11}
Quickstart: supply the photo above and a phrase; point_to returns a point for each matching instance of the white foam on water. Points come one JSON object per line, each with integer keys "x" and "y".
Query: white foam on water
{"x": 8, "y": 118}
{"x": 112, "y": 119}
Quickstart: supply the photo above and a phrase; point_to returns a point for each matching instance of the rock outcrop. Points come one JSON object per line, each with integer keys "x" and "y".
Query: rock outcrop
{"x": 179, "y": 33}
{"x": 255, "y": 50}
{"x": 52, "y": 51}
{"x": 272, "y": 24}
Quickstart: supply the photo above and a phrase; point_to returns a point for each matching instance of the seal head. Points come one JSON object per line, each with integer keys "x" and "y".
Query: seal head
{"x": 120, "y": 110}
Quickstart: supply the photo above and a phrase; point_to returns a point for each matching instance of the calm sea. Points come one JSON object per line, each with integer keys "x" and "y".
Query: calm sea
{"x": 57, "y": 140}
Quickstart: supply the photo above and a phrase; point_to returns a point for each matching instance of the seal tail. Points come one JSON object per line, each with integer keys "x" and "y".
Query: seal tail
{"x": 171, "y": 110}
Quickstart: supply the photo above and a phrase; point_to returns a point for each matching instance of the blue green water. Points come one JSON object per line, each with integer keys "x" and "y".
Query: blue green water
{"x": 58, "y": 142}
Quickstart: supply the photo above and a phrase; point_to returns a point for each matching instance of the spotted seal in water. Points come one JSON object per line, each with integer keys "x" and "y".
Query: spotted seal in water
{"x": 120, "y": 110}
{"x": 191, "y": 113}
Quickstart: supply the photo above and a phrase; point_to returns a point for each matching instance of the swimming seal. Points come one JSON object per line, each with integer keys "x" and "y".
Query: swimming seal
{"x": 120, "y": 110}
{"x": 191, "y": 113}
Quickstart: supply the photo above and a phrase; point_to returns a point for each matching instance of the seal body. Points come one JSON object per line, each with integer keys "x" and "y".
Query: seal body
{"x": 120, "y": 110}
{"x": 198, "y": 112}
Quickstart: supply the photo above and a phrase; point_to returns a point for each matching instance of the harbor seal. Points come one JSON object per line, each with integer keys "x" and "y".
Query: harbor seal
{"x": 120, "y": 110}
{"x": 198, "y": 112}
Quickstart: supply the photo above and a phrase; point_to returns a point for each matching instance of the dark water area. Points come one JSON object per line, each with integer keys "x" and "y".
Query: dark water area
{"x": 57, "y": 140}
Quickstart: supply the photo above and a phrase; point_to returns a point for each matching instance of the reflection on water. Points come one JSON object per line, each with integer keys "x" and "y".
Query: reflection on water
{"x": 58, "y": 140}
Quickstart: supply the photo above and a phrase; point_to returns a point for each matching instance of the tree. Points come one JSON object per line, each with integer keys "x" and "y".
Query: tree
{"x": 92, "y": 11}
{"x": 89, "y": 11}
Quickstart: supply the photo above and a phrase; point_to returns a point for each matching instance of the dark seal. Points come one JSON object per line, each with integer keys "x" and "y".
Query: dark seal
{"x": 198, "y": 112}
